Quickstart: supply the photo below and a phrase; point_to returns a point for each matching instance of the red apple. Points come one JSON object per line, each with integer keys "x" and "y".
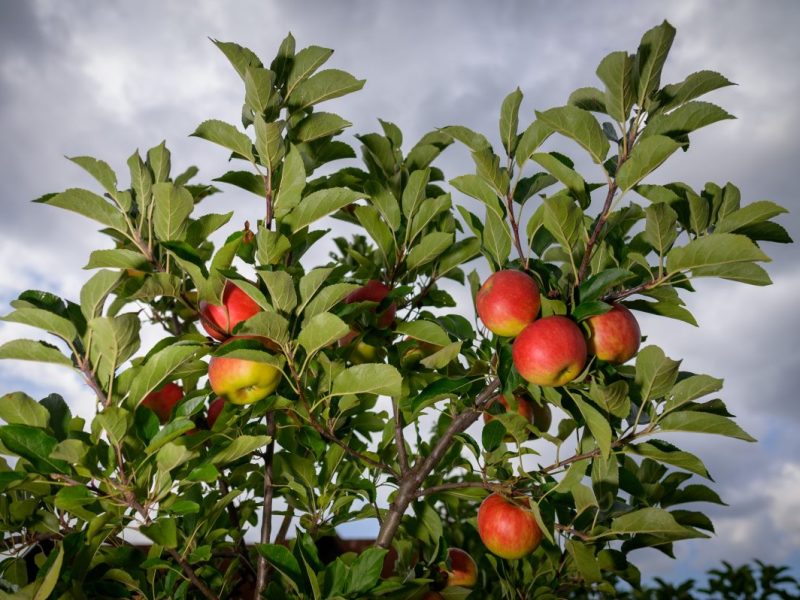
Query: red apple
{"x": 163, "y": 400}
{"x": 433, "y": 596}
{"x": 214, "y": 409}
{"x": 614, "y": 336}
{"x": 463, "y": 570}
{"x": 508, "y": 528}
{"x": 550, "y": 351}
{"x": 375, "y": 291}
{"x": 538, "y": 415}
{"x": 242, "y": 381}
{"x": 507, "y": 302}
{"x": 236, "y": 307}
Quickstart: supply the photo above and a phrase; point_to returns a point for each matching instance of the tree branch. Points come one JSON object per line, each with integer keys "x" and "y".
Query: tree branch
{"x": 400, "y": 442}
{"x": 266, "y": 514}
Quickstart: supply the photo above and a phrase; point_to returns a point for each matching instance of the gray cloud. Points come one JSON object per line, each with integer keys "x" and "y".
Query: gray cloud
{"x": 105, "y": 78}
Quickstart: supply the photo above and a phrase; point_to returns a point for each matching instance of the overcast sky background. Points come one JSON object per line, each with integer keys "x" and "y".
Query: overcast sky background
{"x": 102, "y": 79}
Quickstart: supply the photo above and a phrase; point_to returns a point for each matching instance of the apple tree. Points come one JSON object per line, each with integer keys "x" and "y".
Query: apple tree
{"x": 319, "y": 363}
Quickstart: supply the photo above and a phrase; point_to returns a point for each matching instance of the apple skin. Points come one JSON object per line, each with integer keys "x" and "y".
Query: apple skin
{"x": 550, "y": 351}
{"x": 163, "y": 400}
{"x": 242, "y": 381}
{"x": 506, "y": 528}
{"x": 432, "y": 596}
{"x": 375, "y": 291}
{"x": 237, "y": 306}
{"x": 614, "y": 336}
{"x": 362, "y": 352}
{"x": 507, "y": 302}
{"x": 539, "y": 416}
{"x": 464, "y": 571}
{"x": 214, "y": 409}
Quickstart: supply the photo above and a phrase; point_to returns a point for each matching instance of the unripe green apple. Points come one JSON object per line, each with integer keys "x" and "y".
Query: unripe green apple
{"x": 361, "y": 352}
{"x": 508, "y": 528}
{"x": 614, "y": 336}
{"x": 463, "y": 570}
{"x": 214, "y": 409}
{"x": 375, "y": 291}
{"x": 538, "y": 415}
{"x": 163, "y": 400}
{"x": 237, "y": 306}
{"x": 507, "y": 302}
{"x": 413, "y": 351}
{"x": 550, "y": 351}
{"x": 242, "y": 381}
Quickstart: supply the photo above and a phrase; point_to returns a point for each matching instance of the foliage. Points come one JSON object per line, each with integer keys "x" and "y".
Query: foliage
{"x": 340, "y": 442}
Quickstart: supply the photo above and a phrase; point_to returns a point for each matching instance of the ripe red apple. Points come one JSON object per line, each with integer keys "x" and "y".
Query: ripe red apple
{"x": 507, "y": 302}
{"x": 550, "y": 351}
{"x": 463, "y": 570}
{"x": 508, "y": 529}
{"x": 538, "y": 415}
{"x": 214, "y": 409}
{"x": 163, "y": 400}
{"x": 375, "y": 291}
{"x": 242, "y": 381}
{"x": 614, "y": 336}
{"x": 236, "y": 307}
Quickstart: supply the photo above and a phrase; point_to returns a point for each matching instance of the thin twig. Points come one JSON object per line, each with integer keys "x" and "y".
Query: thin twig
{"x": 455, "y": 485}
{"x": 402, "y": 456}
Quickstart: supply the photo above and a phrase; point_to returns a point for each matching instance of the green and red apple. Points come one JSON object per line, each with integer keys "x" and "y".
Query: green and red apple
{"x": 163, "y": 400}
{"x": 537, "y": 415}
{"x": 242, "y": 381}
{"x": 507, "y": 302}
{"x": 463, "y": 570}
{"x": 550, "y": 351}
{"x": 237, "y": 306}
{"x": 614, "y": 336}
{"x": 507, "y": 527}
{"x": 375, "y": 291}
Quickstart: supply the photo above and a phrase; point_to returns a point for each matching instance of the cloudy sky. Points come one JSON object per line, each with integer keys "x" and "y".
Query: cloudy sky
{"x": 102, "y": 79}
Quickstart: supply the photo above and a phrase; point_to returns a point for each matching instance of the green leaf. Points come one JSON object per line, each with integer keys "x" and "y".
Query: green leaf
{"x": 429, "y": 248}
{"x": 487, "y": 165}
{"x": 319, "y": 125}
{"x": 172, "y": 455}
{"x": 694, "y": 86}
{"x": 141, "y": 182}
{"x": 459, "y": 253}
{"x": 579, "y": 125}
{"x": 751, "y": 214}
{"x": 325, "y": 85}
{"x": 240, "y": 57}
{"x": 496, "y": 238}
{"x": 385, "y": 202}
{"x": 89, "y": 205}
{"x": 564, "y": 220}
{"x": 585, "y": 561}
{"x": 691, "y": 388}
{"x": 173, "y": 205}
{"x": 425, "y": 331}
{"x": 612, "y": 397}
{"x": 328, "y": 297}
{"x": 34, "y": 445}
{"x": 379, "y": 231}
{"x": 533, "y": 137}
{"x": 598, "y": 425}
{"x": 669, "y": 454}
{"x": 749, "y": 273}
{"x": 646, "y": 520}
{"x": 655, "y": 373}
{"x": 320, "y": 204}
{"x": 615, "y": 72}
{"x": 595, "y": 286}
{"x": 700, "y": 422}
{"x": 163, "y": 532}
{"x": 227, "y": 136}
{"x": 685, "y": 119}
{"x": 368, "y": 379}
{"x": 584, "y": 310}
{"x": 43, "y": 319}
{"x": 33, "y": 350}
{"x": 115, "y": 422}
{"x": 159, "y": 367}
{"x": 293, "y": 182}
{"x": 305, "y": 62}
{"x": 365, "y": 572}
{"x": 158, "y": 159}
{"x": 269, "y": 142}
{"x": 712, "y": 251}
{"x": 240, "y": 446}
{"x": 650, "y": 58}
{"x": 566, "y": 175}
{"x": 95, "y": 291}
{"x": 19, "y": 409}
{"x": 509, "y": 121}
{"x": 271, "y": 246}
{"x": 320, "y": 331}
{"x": 117, "y": 258}
{"x": 472, "y": 140}
{"x": 588, "y": 98}
{"x": 647, "y": 155}
{"x": 282, "y": 559}
{"x": 113, "y": 341}
{"x": 258, "y": 85}
{"x": 100, "y": 170}
{"x": 443, "y": 357}
{"x": 476, "y": 187}
{"x": 281, "y": 289}
{"x": 414, "y": 192}
{"x": 492, "y": 435}
{"x": 50, "y": 580}
{"x": 268, "y": 324}
{"x": 660, "y": 229}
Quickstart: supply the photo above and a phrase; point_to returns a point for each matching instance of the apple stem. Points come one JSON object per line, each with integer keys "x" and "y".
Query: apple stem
{"x": 262, "y": 578}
